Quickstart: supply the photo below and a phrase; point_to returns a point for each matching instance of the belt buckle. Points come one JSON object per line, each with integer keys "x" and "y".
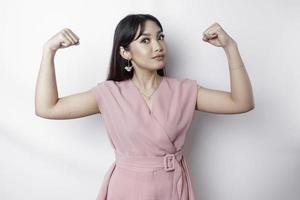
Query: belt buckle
{"x": 167, "y": 158}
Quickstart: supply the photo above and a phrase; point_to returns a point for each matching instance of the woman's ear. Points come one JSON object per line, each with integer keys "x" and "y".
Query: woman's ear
{"x": 124, "y": 53}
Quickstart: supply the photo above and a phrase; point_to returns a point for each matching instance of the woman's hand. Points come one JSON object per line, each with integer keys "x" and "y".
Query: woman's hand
{"x": 216, "y": 36}
{"x": 62, "y": 39}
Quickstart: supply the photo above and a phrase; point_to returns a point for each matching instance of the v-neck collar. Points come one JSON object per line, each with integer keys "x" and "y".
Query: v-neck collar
{"x": 153, "y": 97}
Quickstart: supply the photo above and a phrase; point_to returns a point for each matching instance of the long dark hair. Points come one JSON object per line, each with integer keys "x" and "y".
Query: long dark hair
{"x": 124, "y": 34}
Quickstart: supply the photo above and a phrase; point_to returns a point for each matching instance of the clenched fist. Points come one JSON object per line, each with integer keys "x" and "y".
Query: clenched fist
{"x": 217, "y": 36}
{"x": 62, "y": 39}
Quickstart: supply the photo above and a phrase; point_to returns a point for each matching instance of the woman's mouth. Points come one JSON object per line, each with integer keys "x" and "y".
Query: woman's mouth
{"x": 159, "y": 58}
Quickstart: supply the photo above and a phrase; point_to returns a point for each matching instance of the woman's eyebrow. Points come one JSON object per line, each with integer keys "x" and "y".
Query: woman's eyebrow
{"x": 148, "y": 34}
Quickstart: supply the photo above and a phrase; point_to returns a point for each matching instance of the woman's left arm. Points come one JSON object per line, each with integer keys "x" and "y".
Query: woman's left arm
{"x": 241, "y": 90}
{"x": 240, "y": 99}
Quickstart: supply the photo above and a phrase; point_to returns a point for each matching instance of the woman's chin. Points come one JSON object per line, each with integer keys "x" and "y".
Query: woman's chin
{"x": 160, "y": 64}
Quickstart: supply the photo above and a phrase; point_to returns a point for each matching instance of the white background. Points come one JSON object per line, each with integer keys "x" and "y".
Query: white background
{"x": 250, "y": 156}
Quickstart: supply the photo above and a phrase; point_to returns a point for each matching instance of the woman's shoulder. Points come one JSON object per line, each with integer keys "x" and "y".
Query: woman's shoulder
{"x": 113, "y": 85}
{"x": 180, "y": 80}
{"x": 109, "y": 82}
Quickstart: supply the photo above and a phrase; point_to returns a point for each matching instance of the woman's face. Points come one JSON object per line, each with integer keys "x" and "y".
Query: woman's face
{"x": 151, "y": 43}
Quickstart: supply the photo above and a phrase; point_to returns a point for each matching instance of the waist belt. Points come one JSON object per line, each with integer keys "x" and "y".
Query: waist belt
{"x": 168, "y": 162}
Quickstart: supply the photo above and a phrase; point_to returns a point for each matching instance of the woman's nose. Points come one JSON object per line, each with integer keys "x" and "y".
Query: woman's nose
{"x": 157, "y": 46}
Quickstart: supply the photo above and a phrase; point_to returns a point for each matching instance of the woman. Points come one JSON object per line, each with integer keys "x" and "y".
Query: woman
{"x": 147, "y": 114}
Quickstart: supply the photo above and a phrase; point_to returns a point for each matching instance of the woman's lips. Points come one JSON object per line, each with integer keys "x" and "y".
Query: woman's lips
{"x": 159, "y": 58}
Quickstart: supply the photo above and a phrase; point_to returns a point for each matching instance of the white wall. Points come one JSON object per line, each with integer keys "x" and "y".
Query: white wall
{"x": 247, "y": 156}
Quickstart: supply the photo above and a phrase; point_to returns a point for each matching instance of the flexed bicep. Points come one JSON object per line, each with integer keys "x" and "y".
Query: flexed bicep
{"x": 73, "y": 106}
{"x": 216, "y": 101}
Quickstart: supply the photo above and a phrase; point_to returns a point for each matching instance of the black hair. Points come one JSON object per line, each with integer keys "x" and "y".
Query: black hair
{"x": 123, "y": 36}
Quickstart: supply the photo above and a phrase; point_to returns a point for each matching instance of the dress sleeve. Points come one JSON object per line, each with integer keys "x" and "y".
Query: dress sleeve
{"x": 189, "y": 90}
{"x": 98, "y": 94}
{"x": 188, "y": 99}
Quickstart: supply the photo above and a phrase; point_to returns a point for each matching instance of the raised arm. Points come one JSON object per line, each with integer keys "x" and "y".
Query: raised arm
{"x": 240, "y": 99}
{"x": 47, "y": 103}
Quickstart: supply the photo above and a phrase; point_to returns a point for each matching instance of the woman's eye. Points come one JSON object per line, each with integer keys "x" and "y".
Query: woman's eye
{"x": 161, "y": 36}
{"x": 145, "y": 39}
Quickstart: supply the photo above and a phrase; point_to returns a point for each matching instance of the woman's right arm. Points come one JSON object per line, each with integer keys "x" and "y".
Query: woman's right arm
{"x": 47, "y": 103}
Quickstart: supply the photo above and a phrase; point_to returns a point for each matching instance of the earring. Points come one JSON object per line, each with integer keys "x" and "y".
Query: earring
{"x": 128, "y": 68}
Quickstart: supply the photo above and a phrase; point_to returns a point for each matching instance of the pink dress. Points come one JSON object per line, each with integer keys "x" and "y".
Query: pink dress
{"x": 149, "y": 162}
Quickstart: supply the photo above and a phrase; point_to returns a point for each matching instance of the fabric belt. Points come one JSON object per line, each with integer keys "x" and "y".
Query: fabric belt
{"x": 168, "y": 162}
